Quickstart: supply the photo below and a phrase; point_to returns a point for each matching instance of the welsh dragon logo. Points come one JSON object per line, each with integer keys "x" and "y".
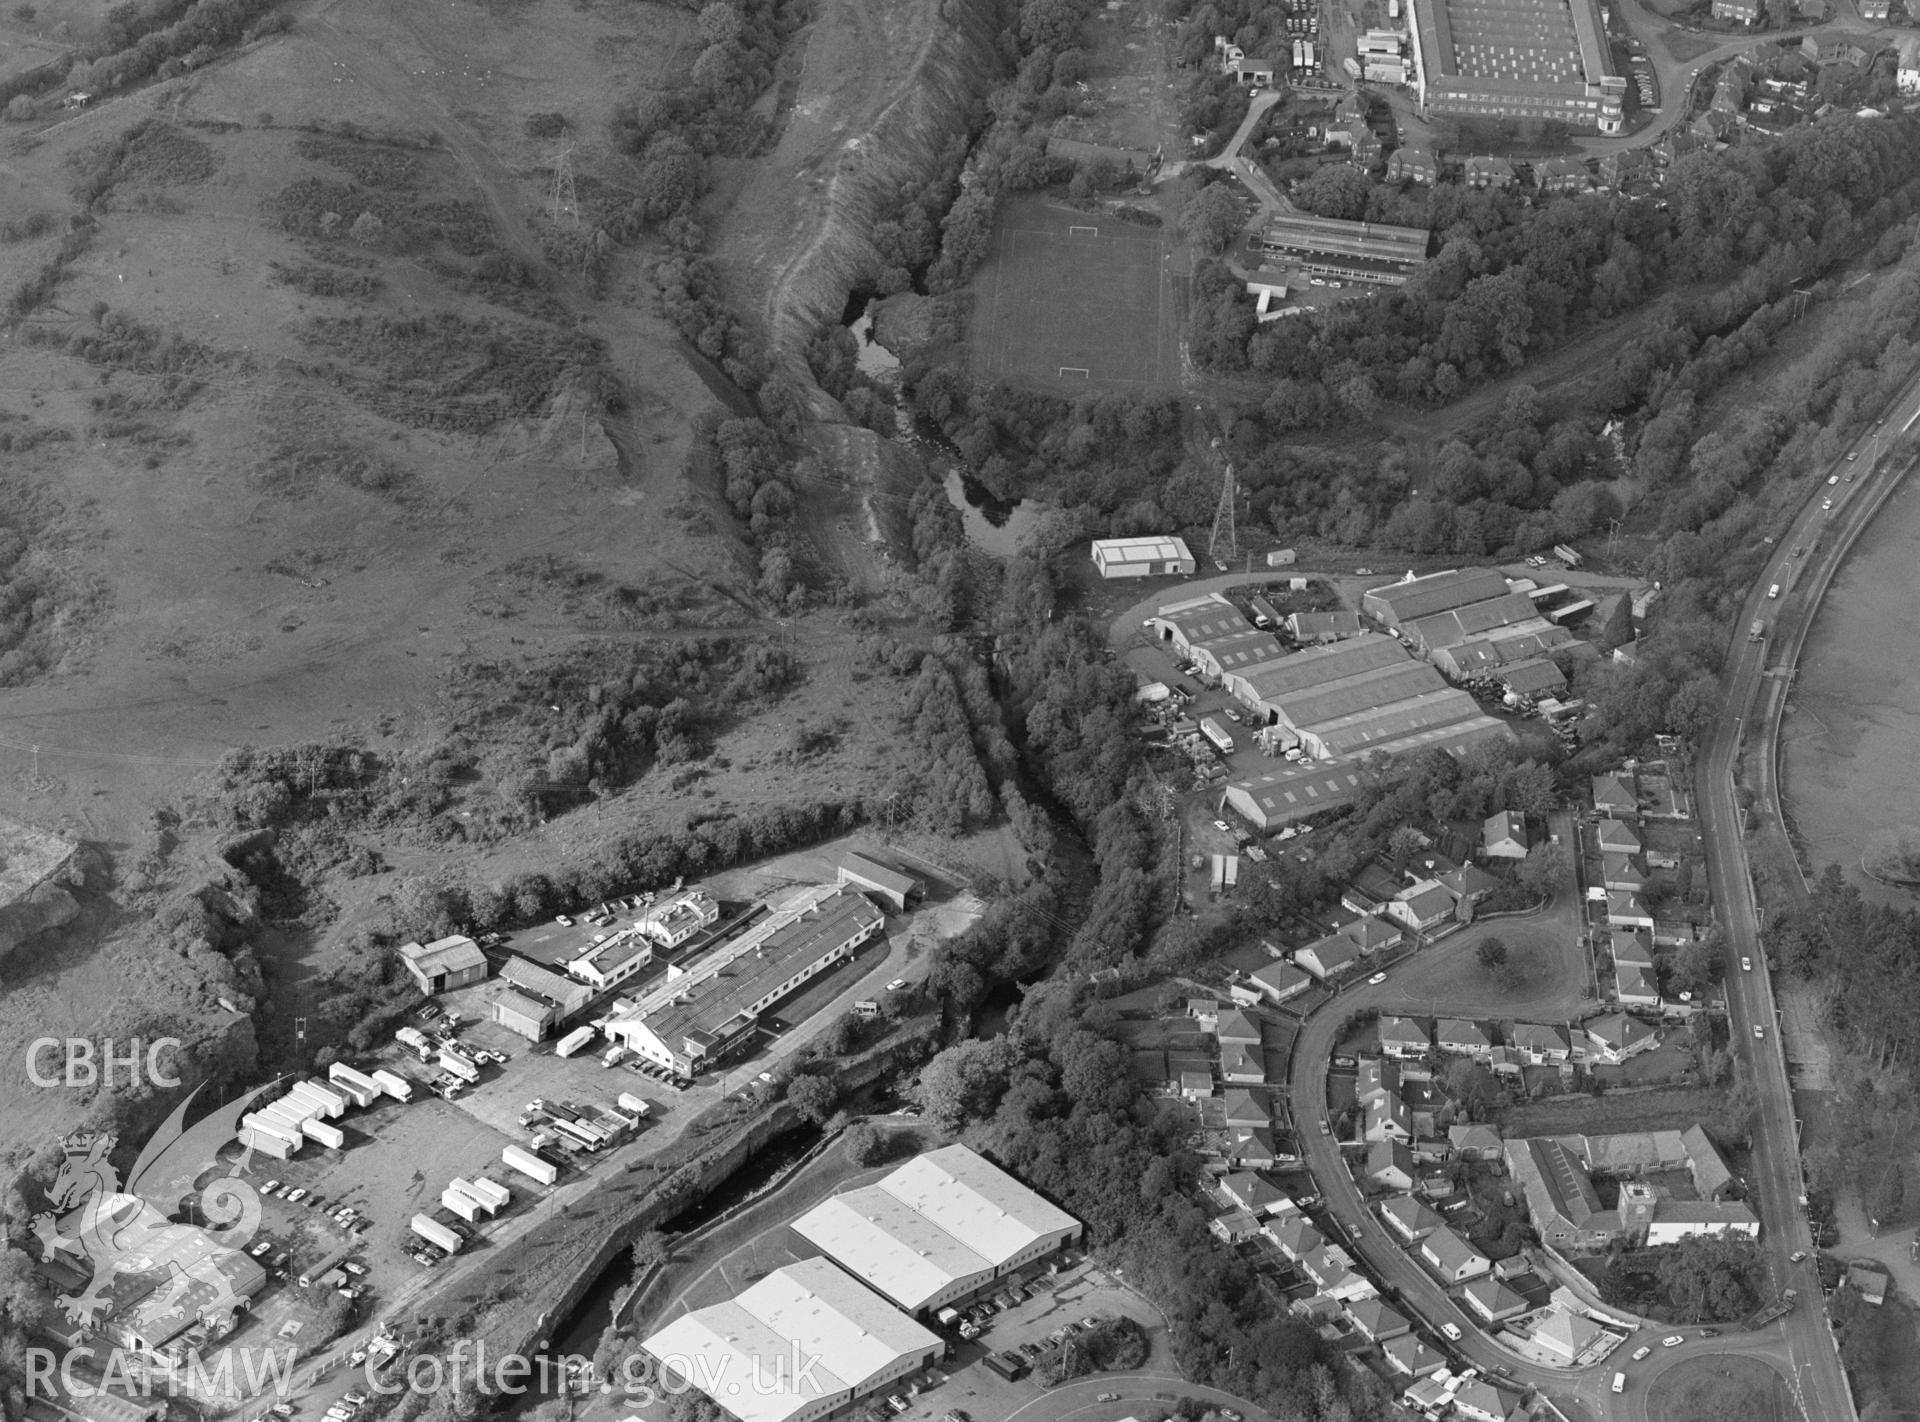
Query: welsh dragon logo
{"x": 97, "y": 1225}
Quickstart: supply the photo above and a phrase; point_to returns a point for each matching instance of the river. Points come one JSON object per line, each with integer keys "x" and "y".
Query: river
{"x": 1850, "y": 744}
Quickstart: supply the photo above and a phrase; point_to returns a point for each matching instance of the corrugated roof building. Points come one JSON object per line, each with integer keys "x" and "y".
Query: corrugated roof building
{"x": 942, "y": 1227}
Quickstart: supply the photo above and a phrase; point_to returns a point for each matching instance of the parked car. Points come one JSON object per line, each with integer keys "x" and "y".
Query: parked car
{"x": 354, "y": 1266}
{"x": 1452, "y": 1330}
{"x": 296, "y": 1196}
{"x": 1377, "y": 979}
{"x": 563, "y": 920}
{"x": 1797, "y": 1256}
{"x": 1641, "y": 1351}
{"x": 1223, "y": 826}
{"x": 896, "y": 984}
{"x": 1108, "y": 1397}
{"x": 1746, "y": 964}
{"x": 1672, "y": 1340}
{"x": 271, "y": 1187}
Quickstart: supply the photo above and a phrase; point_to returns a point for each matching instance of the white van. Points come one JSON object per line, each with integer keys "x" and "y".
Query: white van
{"x": 1619, "y": 1382}
{"x": 1774, "y": 591}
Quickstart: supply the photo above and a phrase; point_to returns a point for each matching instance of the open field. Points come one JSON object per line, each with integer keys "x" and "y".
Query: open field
{"x": 1074, "y": 301}
{"x": 1707, "y": 1389}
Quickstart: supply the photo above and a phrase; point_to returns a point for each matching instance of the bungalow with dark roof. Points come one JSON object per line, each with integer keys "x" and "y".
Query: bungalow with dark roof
{"x": 1470, "y": 886}
{"x": 1462, "y": 1038}
{"x": 1248, "y": 1106}
{"x": 1423, "y": 906}
{"x": 1390, "y": 1165}
{"x": 1630, "y": 947}
{"x": 1253, "y": 1192}
{"x": 1614, "y": 796}
{"x": 1409, "y": 1218}
{"x": 1234, "y": 1227}
{"x": 1404, "y": 1037}
{"x": 1295, "y": 1237}
{"x": 1328, "y": 956}
{"x": 1410, "y": 1357}
{"x": 1475, "y": 1141}
{"x": 1493, "y": 1300}
{"x": 1617, "y": 837}
{"x": 1235, "y": 1026}
{"x": 1387, "y": 1119}
{"x": 1278, "y": 982}
{"x": 1616, "y": 1037}
{"x": 1376, "y": 1079}
{"x": 1626, "y": 911}
{"x": 1619, "y": 872}
{"x": 1242, "y": 1065}
{"x": 1635, "y": 986}
{"x": 1253, "y": 1148}
{"x": 1504, "y": 836}
{"x": 1540, "y": 1043}
{"x": 1451, "y": 1257}
{"x": 1375, "y": 1321}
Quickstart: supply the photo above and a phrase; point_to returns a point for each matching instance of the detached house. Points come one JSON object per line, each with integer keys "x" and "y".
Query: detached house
{"x": 1493, "y": 1300}
{"x": 1451, "y": 1257}
{"x": 1616, "y": 1037}
{"x": 1242, "y": 1066}
{"x": 1295, "y": 1238}
{"x": 1469, "y": 885}
{"x": 1635, "y": 986}
{"x": 1504, "y": 836}
{"x": 1539, "y": 1044}
{"x": 1375, "y": 1322}
{"x": 1475, "y": 1141}
{"x": 1409, "y": 1357}
{"x": 1629, "y": 947}
{"x": 1253, "y": 1192}
{"x": 1387, "y": 1119}
{"x": 1462, "y": 1038}
{"x": 1404, "y": 1037}
{"x": 1619, "y": 873}
{"x": 1377, "y": 1079}
{"x": 1278, "y": 982}
{"x": 1423, "y": 906}
{"x": 1626, "y": 911}
{"x": 1615, "y": 797}
{"x": 1616, "y": 837}
{"x": 1390, "y": 1166}
{"x": 1236, "y": 1027}
{"x": 1326, "y": 957}
{"x": 1409, "y": 1218}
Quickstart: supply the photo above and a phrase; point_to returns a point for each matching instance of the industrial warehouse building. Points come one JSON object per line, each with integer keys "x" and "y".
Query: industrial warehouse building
{"x": 1197, "y": 622}
{"x": 1372, "y": 252}
{"x": 942, "y": 1228}
{"x": 1277, "y": 798}
{"x": 1411, "y": 599}
{"x": 1142, "y": 557}
{"x": 1517, "y": 59}
{"x": 444, "y": 964}
{"x": 705, "y": 1008}
{"x": 1266, "y": 689}
{"x": 535, "y": 1000}
{"x": 803, "y": 1342}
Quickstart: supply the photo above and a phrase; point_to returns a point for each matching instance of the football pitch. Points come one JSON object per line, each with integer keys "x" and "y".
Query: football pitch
{"x": 1073, "y": 300}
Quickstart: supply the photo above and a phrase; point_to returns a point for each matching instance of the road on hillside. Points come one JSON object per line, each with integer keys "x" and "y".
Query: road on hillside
{"x": 1835, "y": 513}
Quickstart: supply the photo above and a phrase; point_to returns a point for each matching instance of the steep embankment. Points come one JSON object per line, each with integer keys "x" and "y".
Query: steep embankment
{"x": 882, "y": 88}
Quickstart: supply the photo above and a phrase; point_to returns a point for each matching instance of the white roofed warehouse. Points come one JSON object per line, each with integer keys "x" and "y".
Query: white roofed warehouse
{"x": 1142, "y": 557}
{"x": 941, "y": 1228}
{"x": 804, "y": 1342}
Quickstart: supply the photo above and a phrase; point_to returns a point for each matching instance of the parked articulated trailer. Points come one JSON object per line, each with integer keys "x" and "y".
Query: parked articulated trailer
{"x": 530, "y": 1165}
{"x": 492, "y": 1191}
{"x": 356, "y": 1085}
{"x": 574, "y": 1041}
{"x": 434, "y": 1232}
{"x": 317, "y": 1129}
{"x": 461, "y": 1203}
{"x": 456, "y": 1065}
{"x": 396, "y": 1086}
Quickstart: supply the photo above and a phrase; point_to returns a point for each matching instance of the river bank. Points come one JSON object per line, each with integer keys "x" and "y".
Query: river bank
{"x": 1850, "y": 741}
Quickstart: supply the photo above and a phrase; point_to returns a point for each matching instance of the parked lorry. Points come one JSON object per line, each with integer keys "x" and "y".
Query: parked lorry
{"x": 492, "y": 1191}
{"x": 636, "y": 1105}
{"x": 530, "y": 1165}
{"x": 1758, "y": 630}
{"x": 355, "y": 1084}
{"x": 316, "y": 1129}
{"x": 431, "y": 1230}
{"x": 1352, "y": 66}
{"x": 332, "y": 1103}
{"x": 574, "y": 1041}
{"x": 456, "y": 1065}
{"x": 1566, "y": 555}
{"x": 416, "y": 1042}
{"x": 462, "y": 1204}
{"x": 1217, "y": 733}
{"x": 613, "y": 1055}
{"x": 395, "y": 1085}
{"x": 1265, "y": 614}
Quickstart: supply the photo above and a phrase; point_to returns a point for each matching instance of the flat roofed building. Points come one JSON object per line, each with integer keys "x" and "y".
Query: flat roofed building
{"x": 444, "y": 964}
{"x": 1373, "y": 252}
{"x": 855, "y": 1340}
{"x": 940, "y": 1228}
{"x": 672, "y": 923}
{"x": 701, "y": 1013}
{"x": 1413, "y": 598}
{"x": 1517, "y": 59}
{"x": 1142, "y": 557}
{"x": 614, "y": 960}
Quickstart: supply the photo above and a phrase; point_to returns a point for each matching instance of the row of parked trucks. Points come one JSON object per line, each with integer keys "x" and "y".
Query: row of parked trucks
{"x": 307, "y": 1111}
